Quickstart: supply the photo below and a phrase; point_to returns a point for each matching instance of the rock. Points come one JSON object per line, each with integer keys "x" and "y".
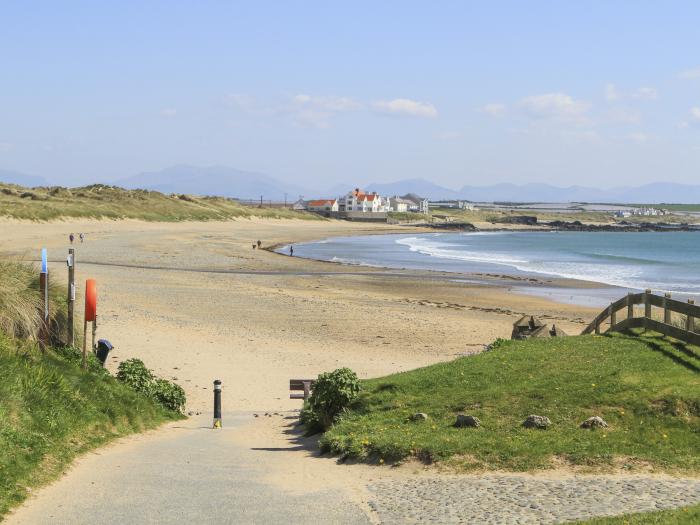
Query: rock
{"x": 594, "y": 422}
{"x": 467, "y": 421}
{"x": 419, "y": 416}
{"x": 190, "y": 413}
{"x": 533, "y": 421}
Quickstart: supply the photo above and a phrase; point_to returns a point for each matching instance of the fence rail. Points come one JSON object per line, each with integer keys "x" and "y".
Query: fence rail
{"x": 690, "y": 310}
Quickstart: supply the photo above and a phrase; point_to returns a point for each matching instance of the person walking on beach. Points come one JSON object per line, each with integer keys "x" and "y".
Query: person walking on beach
{"x": 291, "y": 250}
{"x": 71, "y": 238}
{"x": 253, "y": 246}
{"x": 82, "y": 238}
{"x": 259, "y": 244}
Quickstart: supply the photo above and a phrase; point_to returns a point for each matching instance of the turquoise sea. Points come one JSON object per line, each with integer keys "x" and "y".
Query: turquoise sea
{"x": 662, "y": 261}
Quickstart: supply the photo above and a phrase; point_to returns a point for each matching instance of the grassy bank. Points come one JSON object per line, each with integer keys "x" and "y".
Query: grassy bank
{"x": 647, "y": 389}
{"x": 109, "y": 202}
{"x": 51, "y": 411}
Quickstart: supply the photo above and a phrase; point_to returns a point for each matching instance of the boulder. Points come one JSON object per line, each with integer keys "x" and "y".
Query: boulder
{"x": 533, "y": 421}
{"x": 467, "y": 421}
{"x": 419, "y": 416}
{"x": 594, "y": 422}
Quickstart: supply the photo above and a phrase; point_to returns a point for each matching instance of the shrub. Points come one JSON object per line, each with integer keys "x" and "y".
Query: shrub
{"x": 168, "y": 394}
{"x": 133, "y": 372}
{"x": 332, "y": 394}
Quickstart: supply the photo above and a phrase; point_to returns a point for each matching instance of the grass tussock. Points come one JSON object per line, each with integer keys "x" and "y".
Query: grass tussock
{"x": 647, "y": 388}
{"x": 100, "y": 201}
{"x": 21, "y": 303}
{"x": 681, "y": 516}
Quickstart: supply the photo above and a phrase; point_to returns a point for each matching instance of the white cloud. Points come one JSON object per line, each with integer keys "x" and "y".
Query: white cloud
{"x": 617, "y": 115}
{"x": 645, "y": 93}
{"x": 554, "y": 106}
{"x": 168, "y": 112}
{"x": 691, "y": 73}
{"x": 241, "y": 101}
{"x": 494, "y": 110}
{"x": 406, "y": 107}
{"x": 695, "y": 113}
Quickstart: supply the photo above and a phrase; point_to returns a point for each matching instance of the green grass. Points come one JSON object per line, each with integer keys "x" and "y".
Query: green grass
{"x": 682, "y": 516}
{"x": 647, "y": 389}
{"x": 51, "y": 411}
{"x": 99, "y": 201}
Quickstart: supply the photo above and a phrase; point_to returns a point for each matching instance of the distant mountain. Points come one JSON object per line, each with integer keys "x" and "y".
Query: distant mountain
{"x": 420, "y": 187}
{"x": 15, "y": 177}
{"x": 215, "y": 180}
{"x": 658, "y": 192}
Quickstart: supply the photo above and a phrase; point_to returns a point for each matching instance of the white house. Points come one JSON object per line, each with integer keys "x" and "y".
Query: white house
{"x": 300, "y": 205}
{"x": 322, "y": 205}
{"x": 358, "y": 200}
{"x": 399, "y": 204}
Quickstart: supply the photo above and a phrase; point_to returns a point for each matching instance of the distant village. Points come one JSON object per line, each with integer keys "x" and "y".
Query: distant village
{"x": 358, "y": 204}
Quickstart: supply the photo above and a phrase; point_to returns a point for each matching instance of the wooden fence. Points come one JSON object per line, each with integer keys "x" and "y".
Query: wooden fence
{"x": 684, "y": 331}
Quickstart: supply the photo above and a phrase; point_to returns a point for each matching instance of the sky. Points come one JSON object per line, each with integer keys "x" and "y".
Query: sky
{"x": 595, "y": 93}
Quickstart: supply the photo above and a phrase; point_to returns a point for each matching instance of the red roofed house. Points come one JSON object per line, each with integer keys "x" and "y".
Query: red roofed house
{"x": 323, "y": 205}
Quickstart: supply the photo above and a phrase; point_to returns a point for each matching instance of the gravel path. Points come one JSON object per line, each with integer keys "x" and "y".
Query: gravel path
{"x": 525, "y": 499}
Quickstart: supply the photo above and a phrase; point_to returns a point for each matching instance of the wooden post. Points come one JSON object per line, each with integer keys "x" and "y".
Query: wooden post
{"x": 71, "y": 296}
{"x": 647, "y": 307}
{"x": 597, "y": 325}
{"x": 667, "y": 310}
{"x": 44, "y": 327}
{"x": 630, "y": 306}
{"x": 85, "y": 344}
{"x": 94, "y": 333}
{"x": 690, "y": 320}
{"x": 613, "y": 316}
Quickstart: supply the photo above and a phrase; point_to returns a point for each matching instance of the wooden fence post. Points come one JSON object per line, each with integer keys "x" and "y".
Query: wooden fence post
{"x": 667, "y": 310}
{"x": 613, "y": 315}
{"x": 690, "y": 320}
{"x": 597, "y": 325}
{"x": 630, "y": 306}
{"x": 647, "y": 307}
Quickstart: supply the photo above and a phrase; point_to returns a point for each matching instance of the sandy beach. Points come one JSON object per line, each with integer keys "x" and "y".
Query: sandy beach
{"x": 196, "y": 303}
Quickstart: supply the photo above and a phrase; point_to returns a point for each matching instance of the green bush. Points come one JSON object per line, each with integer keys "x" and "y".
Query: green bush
{"x": 168, "y": 394}
{"x": 331, "y": 396}
{"x": 133, "y": 372}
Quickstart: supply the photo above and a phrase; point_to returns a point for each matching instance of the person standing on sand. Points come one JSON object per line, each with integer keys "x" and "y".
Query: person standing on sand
{"x": 71, "y": 238}
{"x": 82, "y": 238}
{"x": 291, "y": 250}
{"x": 259, "y": 244}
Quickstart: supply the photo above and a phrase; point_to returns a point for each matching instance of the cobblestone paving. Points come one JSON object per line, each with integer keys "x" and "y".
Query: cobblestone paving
{"x": 514, "y": 499}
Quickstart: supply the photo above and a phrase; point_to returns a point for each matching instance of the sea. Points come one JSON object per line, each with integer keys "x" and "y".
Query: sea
{"x": 661, "y": 261}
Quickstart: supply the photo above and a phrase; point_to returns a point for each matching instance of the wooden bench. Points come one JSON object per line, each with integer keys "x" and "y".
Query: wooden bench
{"x": 304, "y": 385}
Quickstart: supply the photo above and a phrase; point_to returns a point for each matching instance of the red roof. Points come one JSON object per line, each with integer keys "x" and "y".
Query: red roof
{"x": 370, "y": 197}
{"x": 322, "y": 202}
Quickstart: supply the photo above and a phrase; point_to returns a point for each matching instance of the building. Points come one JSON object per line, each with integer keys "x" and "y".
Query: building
{"x": 300, "y": 205}
{"x": 462, "y": 205}
{"x": 323, "y": 205}
{"x": 399, "y": 204}
{"x": 417, "y": 204}
{"x": 359, "y": 201}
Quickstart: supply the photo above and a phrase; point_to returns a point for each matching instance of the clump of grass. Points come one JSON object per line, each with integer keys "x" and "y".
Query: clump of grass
{"x": 646, "y": 387}
{"x": 100, "y": 201}
{"x": 20, "y": 303}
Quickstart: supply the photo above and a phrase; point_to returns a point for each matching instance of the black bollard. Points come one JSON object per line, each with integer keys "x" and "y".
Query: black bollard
{"x": 217, "y": 403}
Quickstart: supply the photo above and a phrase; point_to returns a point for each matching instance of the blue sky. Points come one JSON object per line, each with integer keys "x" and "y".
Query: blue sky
{"x": 594, "y": 93}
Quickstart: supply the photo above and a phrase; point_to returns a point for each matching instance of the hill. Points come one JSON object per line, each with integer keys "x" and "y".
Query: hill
{"x": 646, "y": 388}
{"x": 215, "y": 180}
{"x": 110, "y": 202}
{"x": 15, "y": 177}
